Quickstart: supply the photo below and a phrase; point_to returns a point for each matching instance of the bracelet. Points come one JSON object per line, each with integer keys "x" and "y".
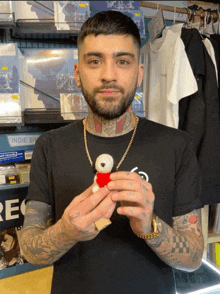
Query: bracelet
{"x": 152, "y": 235}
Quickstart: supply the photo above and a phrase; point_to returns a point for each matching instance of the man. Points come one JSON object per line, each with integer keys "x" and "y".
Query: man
{"x": 154, "y": 211}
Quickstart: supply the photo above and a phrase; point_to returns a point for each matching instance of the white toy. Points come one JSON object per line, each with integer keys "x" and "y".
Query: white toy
{"x": 103, "y": 165}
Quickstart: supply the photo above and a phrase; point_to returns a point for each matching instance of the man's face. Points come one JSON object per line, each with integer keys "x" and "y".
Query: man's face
{"x": 108, "y": 73}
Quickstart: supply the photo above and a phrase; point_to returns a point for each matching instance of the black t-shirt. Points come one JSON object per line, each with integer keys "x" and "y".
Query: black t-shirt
{"x": 116, "y": 261}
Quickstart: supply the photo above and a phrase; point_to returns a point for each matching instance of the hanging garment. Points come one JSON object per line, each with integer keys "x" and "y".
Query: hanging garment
{"x": 168, "y": 77}
{"x": 211, "y": 52}
{"x": 208, "y": 142}
{"x": 192, "y": 108}
{"x": 215, "y": 39}
{"x": 216, "y": 47}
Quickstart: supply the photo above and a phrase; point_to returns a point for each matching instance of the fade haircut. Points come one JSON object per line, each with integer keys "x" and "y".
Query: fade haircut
{"x": 110, "y": 22}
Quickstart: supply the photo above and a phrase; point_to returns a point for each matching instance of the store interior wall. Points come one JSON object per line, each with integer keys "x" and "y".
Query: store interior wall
{"x": 39, "y": 281}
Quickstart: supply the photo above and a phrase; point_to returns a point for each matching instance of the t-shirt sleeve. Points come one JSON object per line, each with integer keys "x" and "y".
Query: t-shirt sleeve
{"x": 40, "y": 188}
{"x": 188, "y": 182}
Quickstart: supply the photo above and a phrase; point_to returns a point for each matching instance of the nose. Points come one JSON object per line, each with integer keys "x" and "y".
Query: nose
{"x": 109, "y": 73}
{"x": 103, "y": 164}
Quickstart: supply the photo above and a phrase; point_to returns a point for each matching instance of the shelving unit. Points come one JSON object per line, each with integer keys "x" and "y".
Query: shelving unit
{"x": 13, "y": 186}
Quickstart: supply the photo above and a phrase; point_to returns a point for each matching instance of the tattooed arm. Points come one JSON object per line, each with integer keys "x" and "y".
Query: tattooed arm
{"x": 40, "y": 241}
{"x": 44, "y": 243}
{"x": 182, "y": 245}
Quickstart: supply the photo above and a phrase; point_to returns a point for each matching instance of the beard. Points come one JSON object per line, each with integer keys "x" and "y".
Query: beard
{"x": 112, "y": 111}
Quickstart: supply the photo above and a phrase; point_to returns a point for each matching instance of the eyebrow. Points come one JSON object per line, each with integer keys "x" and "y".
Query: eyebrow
{"x": 99, "y": 54}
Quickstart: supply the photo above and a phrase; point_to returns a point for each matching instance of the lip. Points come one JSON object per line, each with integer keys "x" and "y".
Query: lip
{"x": 109, "y": 91}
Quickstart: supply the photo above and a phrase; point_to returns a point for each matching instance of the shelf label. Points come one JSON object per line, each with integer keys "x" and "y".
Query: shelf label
{"x": 28, "y": 154}
{"x": 21, "y": 140}
{"x": 11, "y": 156}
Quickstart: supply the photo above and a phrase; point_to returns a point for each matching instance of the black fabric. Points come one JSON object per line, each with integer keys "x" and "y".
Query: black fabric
{"x": 216, "y": 38}
{"x": 199, "y": 115}
{"x": 116, "y": 261}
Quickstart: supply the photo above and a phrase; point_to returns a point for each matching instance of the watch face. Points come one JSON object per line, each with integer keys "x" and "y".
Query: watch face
{"x": 159, "y": 224}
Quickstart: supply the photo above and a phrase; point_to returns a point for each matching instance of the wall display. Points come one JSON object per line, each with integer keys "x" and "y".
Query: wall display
{"x": 6, "y": 11}
{"x": 130, "y": 8}
{"x": 33, "y": 10}
{"x": 12, "y": 211}
{"x": 70, "y": 15}
{"x": 138, "y": 104}
{"x": 46, "y": 75}
{"x": 73, "y": 106}
{"x": 12, "y": 200}
{"x": 10, "y": 104}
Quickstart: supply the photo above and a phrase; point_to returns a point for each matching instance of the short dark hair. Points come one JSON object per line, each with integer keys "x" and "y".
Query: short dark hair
{"x": 109, "y": 22}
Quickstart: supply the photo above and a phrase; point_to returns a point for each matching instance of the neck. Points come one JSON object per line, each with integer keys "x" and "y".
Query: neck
{"x": 99, "y": 126}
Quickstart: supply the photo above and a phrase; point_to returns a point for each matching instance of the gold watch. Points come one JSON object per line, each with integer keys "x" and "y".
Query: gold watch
{"x": 156, "y": 230}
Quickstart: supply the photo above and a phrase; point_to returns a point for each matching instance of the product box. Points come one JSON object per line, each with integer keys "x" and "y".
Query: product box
{"x": 70, "y": 15}
{"x": 33, "y": 10}
{"x": 12, "y": 260}
{"x": 10, "y": 103}
{"x": 6, "y": 11}
{"x": 73, "y": 106}
{"x": 138, "y": 104}
{"x": 130, "y": 8}
{"x": 46, "y": 75}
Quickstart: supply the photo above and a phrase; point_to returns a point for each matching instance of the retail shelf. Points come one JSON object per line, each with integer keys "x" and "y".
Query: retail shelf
{"x": 40, "y": 27}
{"x": 213, "y": 238}
{"x": 42, "y": 116}
{"x": 13, "y": 186}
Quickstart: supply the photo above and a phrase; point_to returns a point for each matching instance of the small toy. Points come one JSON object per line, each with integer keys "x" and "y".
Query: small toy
{"x": 103, "y": 165}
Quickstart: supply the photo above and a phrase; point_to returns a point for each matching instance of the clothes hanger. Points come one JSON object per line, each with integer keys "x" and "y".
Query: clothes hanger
{"x": 174, "y": 16}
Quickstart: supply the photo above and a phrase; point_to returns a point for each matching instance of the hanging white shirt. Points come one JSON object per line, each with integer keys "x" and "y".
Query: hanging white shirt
{"x": 168, "y": 77}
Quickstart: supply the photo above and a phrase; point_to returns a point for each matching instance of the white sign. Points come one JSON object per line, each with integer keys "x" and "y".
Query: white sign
{"x": 28, "y": 154}
{"x": 21, "y": 140}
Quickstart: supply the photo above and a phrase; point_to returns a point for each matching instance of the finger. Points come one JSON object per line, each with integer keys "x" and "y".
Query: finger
{"x": 131, "y": 211}
{"x": 84, "y": 195}
{"x": 125, "y": 175}
{"x": 131, "y": 196}
{"x": 89, "y": 203}
{"x": 104, "y": 209}
{"x": 124, "y": 185}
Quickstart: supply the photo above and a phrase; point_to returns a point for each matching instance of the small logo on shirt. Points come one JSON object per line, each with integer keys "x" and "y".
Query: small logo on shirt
{"x": 143, "y": 175}
{"x": 163, "y": 75}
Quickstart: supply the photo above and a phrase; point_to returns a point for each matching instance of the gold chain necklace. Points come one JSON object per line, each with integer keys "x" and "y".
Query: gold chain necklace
{"x": 126, "y": 151}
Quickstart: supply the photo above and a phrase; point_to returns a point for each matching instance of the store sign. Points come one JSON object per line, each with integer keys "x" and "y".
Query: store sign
{"x": 21, "y": 140}
{"x": 12, "y": 207}
{"x": 11, "y": 156}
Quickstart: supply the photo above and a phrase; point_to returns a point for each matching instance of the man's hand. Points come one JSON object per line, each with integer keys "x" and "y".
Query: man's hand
{"x": 80, "y": 216}
{"x": 136, "y": 198}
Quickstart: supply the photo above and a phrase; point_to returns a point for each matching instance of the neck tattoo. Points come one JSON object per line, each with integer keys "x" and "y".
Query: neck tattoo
{"x": 126, "y": 151}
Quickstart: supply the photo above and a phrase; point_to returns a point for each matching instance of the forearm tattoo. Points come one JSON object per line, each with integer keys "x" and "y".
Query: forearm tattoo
{"x": 182, "y": 245}
{"x": 41, "y": 241}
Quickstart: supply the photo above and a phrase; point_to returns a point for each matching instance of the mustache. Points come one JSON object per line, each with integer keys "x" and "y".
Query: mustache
{"x": 109, "y": 86}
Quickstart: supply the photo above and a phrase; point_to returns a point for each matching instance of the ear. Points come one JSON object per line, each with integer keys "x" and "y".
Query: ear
{"x": 140, "y": 74}
{"x": 76, "y": 75}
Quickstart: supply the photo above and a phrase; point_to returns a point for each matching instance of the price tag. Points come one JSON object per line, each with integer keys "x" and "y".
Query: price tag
{"x": 156, "y": 25}
{"x": 28, "y": 154}
{"x": 2, "y": 179}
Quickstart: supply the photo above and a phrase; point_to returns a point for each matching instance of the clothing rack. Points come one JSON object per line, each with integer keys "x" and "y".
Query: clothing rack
{"x": 200, "y": 13}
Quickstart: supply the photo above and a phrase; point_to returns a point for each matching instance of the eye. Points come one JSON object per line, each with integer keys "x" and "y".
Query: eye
{"x": 123, "y": 62}
{"x": 94, "y": 62}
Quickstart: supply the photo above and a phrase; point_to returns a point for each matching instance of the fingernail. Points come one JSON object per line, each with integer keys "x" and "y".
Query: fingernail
{"x": 114, "y": 196}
